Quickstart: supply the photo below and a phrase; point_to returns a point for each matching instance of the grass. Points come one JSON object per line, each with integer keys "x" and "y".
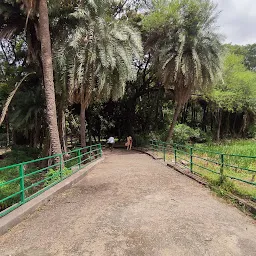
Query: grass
{"x": 207, "y": 159}
{"x": 46, "y": 173}
{"x": 16, "y": 155}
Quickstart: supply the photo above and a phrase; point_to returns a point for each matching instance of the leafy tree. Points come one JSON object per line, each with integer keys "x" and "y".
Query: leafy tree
{"x": 187, "y": 49}
{"x": 236, "y": 93}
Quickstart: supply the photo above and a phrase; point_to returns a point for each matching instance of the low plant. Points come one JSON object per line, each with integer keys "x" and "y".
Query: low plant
{"x": 53, "y": 175}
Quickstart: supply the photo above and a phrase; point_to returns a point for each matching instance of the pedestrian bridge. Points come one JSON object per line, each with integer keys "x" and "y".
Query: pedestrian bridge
{"x": 130, "y": 204}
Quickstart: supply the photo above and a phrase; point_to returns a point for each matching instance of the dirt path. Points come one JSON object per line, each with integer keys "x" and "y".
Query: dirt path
{"x": 132, "y": 205}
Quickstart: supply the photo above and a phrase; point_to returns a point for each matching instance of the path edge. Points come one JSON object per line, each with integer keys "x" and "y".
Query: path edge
{"x": 16, "y": 216}
{"x": 243, "y": 204}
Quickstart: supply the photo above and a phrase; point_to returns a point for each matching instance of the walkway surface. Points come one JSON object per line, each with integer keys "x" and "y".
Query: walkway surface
{"x": 132, "y": 205}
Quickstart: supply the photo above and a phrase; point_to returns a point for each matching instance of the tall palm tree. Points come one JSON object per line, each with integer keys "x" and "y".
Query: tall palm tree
{"x": 46, "y": 54}
{"x": 189, "y": 50}
{"x": 99, "y": 57}
{"x": 14, "y": 21}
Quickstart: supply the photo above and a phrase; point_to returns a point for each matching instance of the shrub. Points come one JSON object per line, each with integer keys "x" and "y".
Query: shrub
{"x": 183, "y": 133}
{"x": 54, "y": 175}
{"x": 140, "y": 140}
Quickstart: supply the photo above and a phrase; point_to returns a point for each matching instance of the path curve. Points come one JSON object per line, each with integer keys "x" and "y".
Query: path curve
{"x": 132, "y": 205}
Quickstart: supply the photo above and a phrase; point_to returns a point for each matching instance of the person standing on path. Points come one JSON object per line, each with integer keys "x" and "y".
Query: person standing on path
{"x": 129, "y": 143}
{"x": 111, "y": 142}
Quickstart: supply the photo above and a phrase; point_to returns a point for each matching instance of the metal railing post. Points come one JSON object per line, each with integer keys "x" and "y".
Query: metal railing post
{"x": 61, "y": 164}
{"x": 221, "y": 168}
{"x": 164, "y": 150}
{"x": 175, "y": 154}
{"x": 90, "y": 154}
{"x": 191, "y": 159}
{"x": 79, "y": 158}
{"x": 100, "y": 150}
{"x": 22, "y": 186}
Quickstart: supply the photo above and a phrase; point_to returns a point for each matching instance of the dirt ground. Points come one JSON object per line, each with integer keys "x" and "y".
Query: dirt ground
{"x": 132, "y": 205}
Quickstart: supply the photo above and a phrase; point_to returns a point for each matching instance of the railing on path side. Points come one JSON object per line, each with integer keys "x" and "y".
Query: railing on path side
{"x": 21, "y": 182}
{"x": 238, "y": 168}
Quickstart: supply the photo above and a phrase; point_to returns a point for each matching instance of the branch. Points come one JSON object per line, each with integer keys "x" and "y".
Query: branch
{"x": 9, "y": 99}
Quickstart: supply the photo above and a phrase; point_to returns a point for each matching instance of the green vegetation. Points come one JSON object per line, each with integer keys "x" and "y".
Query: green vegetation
{"x": 147, "y": 69}
{"x": 23, "y": 181}
{"x": 236, "y": 147}
{"x": 238, "y": 164}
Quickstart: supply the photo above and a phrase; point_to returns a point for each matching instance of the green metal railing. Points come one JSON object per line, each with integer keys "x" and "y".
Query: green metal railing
{"x": 200, "y": 161}
{"x": 24, "y": 181}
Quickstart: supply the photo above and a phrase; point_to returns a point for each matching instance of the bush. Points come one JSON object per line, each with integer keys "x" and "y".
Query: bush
{"x": 140, "y": 140}
{"x": 54, "y": 175}
{"x": 183, "y": 133}
{"x": 252, "y": 132}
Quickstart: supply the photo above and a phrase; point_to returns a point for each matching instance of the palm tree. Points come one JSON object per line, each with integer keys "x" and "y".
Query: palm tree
{"x": 190, "y": 50}
{"x": 99, "y": 58}
{"x": 46, "y": 54}
{"x": 15, "y": 20}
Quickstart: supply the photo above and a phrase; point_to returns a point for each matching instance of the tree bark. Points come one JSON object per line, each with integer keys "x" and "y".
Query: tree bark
{"x": 174, "y": 120}
{"x": 82, "y": 126}
{"x": 219, "y": 125}
{"x": 46, "y": 56}
{"x": 62, "y": 128}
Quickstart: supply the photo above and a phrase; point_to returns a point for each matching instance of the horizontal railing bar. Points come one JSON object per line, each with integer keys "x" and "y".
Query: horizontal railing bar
{"x": 213, "y": 152}
{"x": 241, "y": 168}
{"x": 245, "y": 181}
{"x": 9, "y": 181}
{"x": 178, "y": 157}
{"x": 206, "y": 168}
{"x": 41, "y": 191}
{"x": 93, "y": 148}
{"x": 9, "y": 167}
{"x": 86, "y": 153}
{"x": 41, "y": 159}
{"x": 207, "y": 160}
{"x": 41, "y": 181}
{"x": 182, "y": 151}
{"x": 9, "y": 209}
{"x": 40, "y": 170}
{"x": 11, "y": 196}
{"x": 67, "y": 160}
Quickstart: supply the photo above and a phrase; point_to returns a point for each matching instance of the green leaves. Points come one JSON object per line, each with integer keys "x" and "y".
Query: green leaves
{"x": 237, "y": 92}
{"x": 100, "y": 53}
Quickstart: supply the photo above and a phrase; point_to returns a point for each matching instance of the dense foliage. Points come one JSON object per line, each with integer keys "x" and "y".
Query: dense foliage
{"x": 124, "y": 68}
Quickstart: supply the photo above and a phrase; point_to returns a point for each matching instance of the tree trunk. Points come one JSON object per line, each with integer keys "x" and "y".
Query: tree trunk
{"x": 174, "y": 120}
{"x": 46, "y": 56}
{"x": 219, "y": 125}
{"x": 62, "y": 129}
{"x": 82, "y": 125}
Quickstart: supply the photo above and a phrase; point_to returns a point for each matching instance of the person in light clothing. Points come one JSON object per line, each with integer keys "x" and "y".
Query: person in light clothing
{"x": 111, "y": 142}
{"x": 128, "y": 144}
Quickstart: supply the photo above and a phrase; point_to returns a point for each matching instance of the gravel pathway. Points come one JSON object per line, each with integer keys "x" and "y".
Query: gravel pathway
{"x": 132, "y": 205}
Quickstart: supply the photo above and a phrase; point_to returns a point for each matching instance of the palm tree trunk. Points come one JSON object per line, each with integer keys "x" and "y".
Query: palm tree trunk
{"x": 82, "y": 126}
{"x": 174, "y": 120}
{"x": 48, "y": 76}
{"x": 62, "y": 128}
{"x": 219, "y": 125}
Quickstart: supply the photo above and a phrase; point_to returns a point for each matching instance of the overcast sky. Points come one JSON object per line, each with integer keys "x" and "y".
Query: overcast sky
{"x": 237, "y": 20}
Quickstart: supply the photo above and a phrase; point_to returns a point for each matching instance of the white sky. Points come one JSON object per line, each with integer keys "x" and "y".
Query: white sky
{"x": 237, "y": 20}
